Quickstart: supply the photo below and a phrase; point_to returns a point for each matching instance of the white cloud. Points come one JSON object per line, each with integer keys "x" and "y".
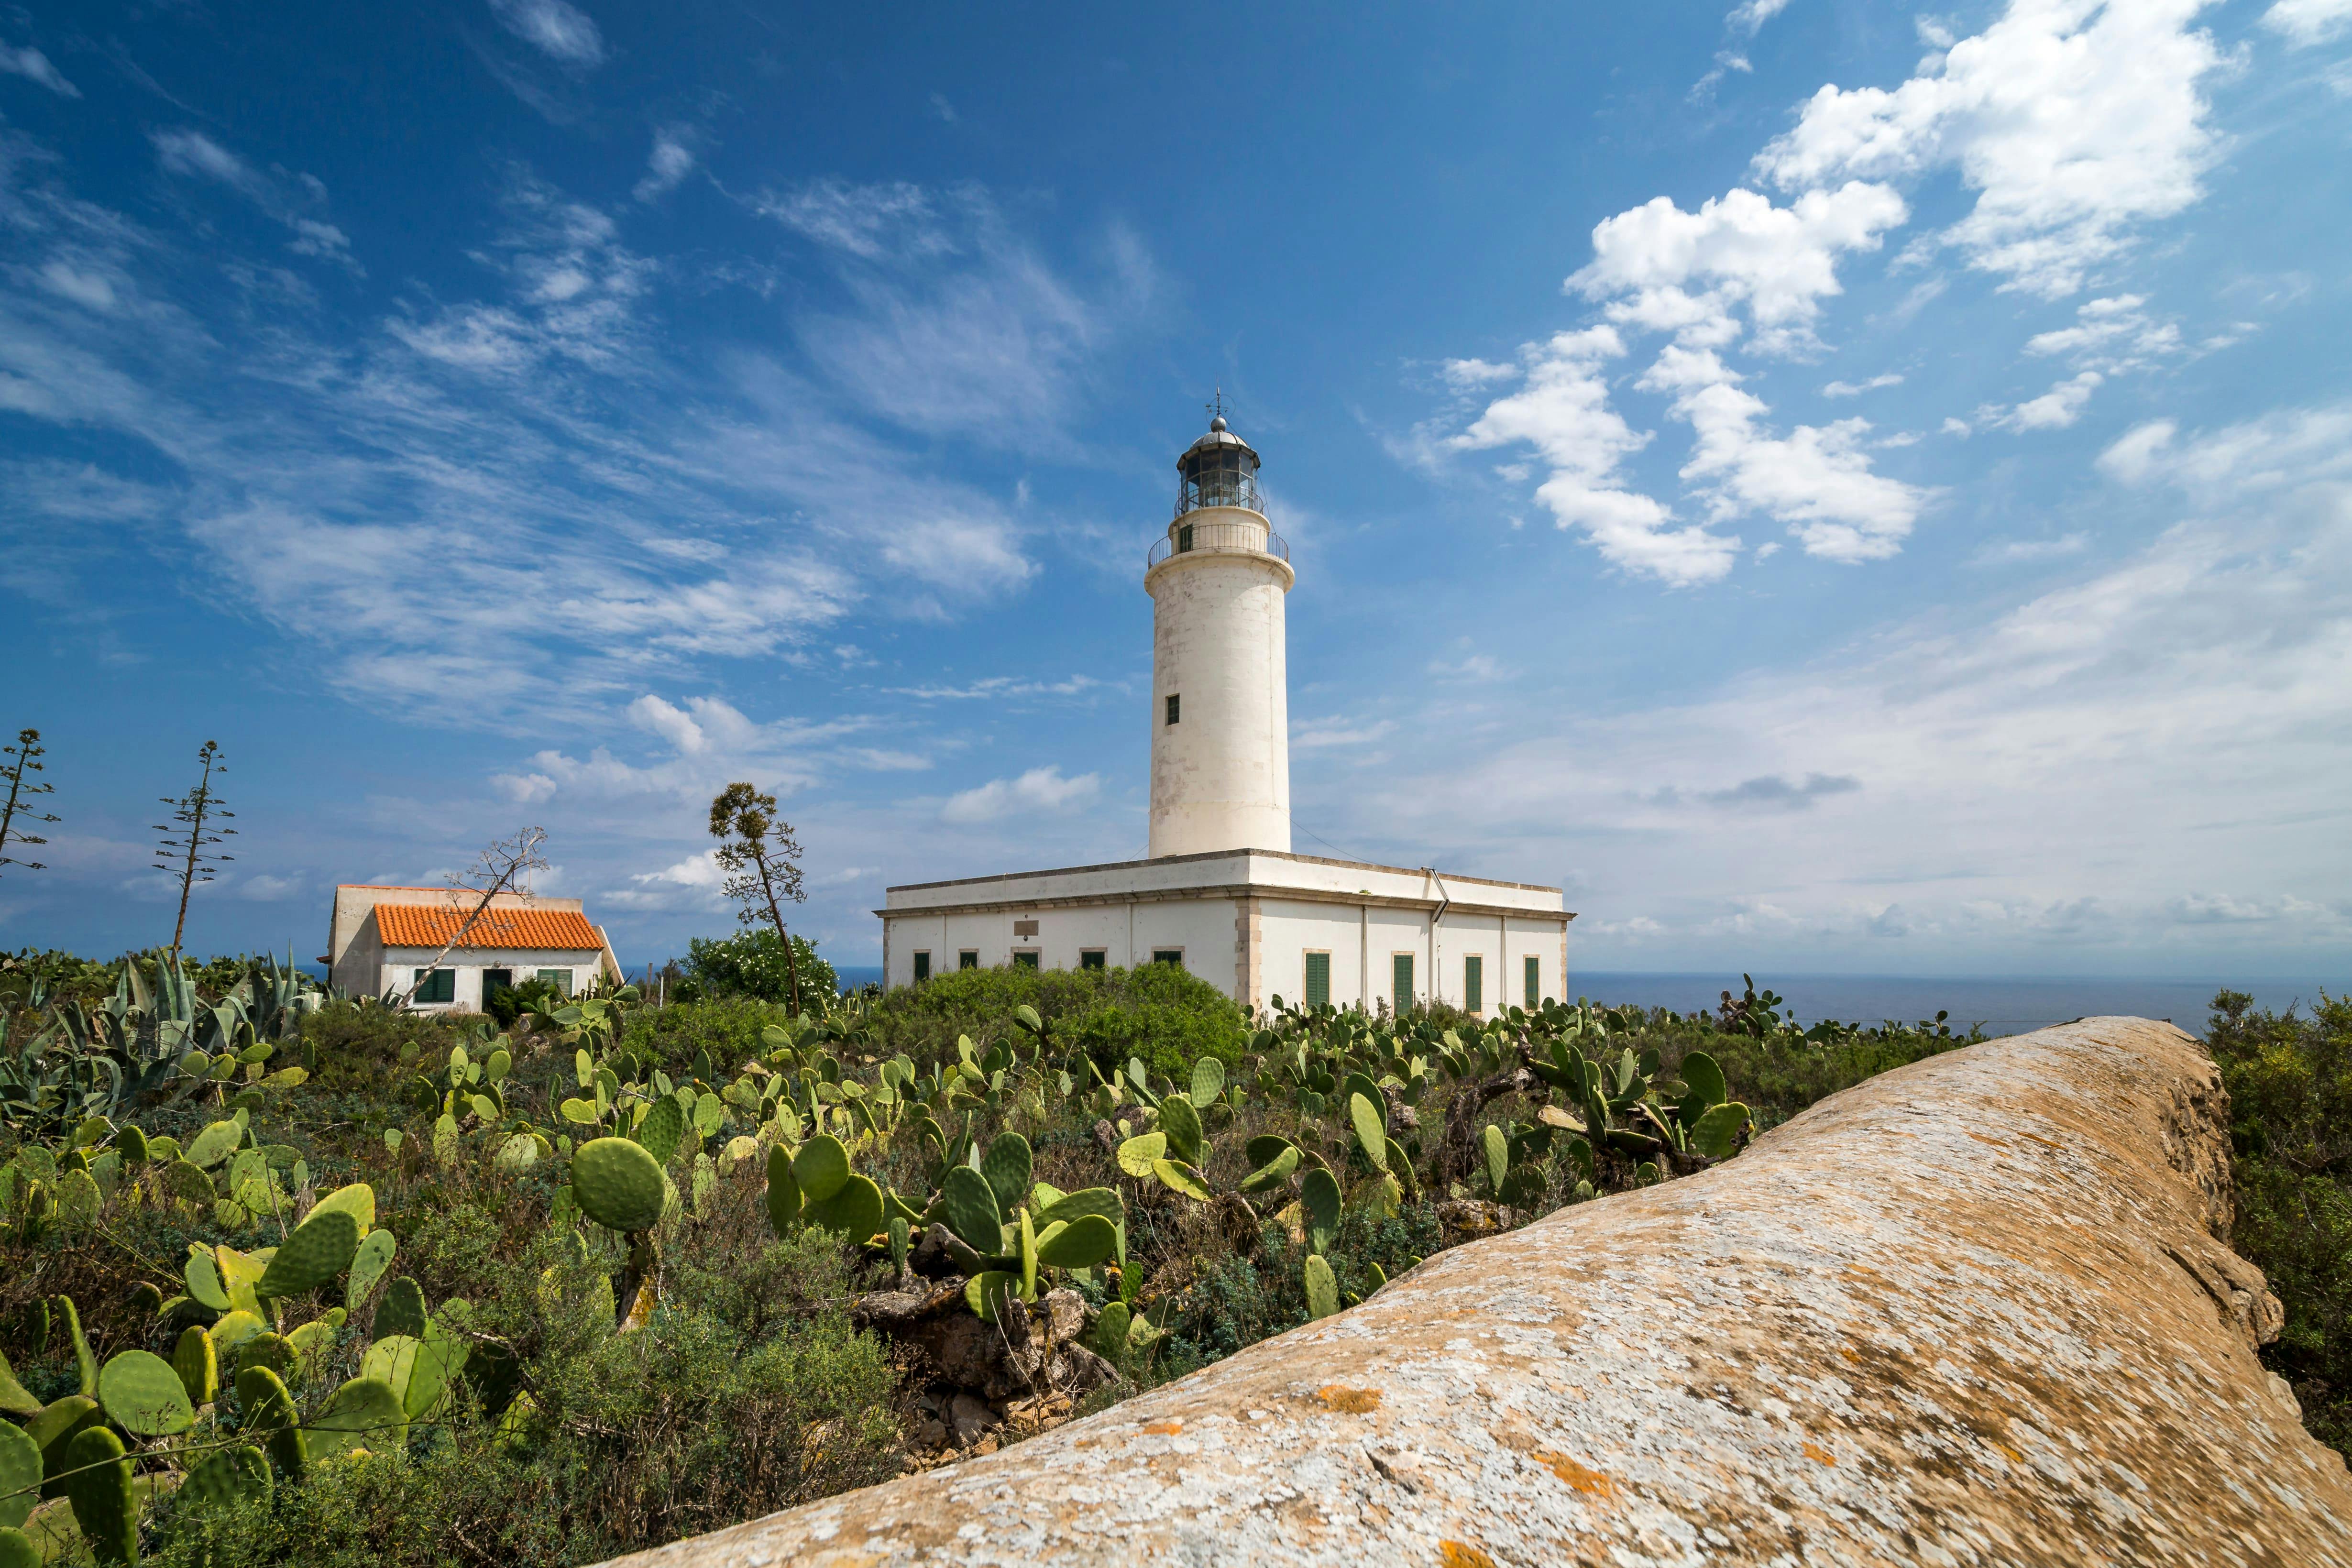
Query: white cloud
{"x": 702, "y": 870}
{"x": 1855, "y": 388}
{"x": 2303, "y": 22}
{"x": 671, "y": 161}
{"x": 1817, "y": 479}
{"x": 672, "y": 724}
{"x": 2073, "y": 120}
{"x": 2012, "y": 552}
{"x": 1749, "y": 15}
{"x": 945, "y": 111}
{"x": 30, "y": 63}
{"x": 1471, "y": 375}
{"x": 2112, "y": 335}
{"x": 289, "y": 201}
{"x": 1327, "y": 734}
{"x": 868, "y": 221}
{"x": 2056, "y": 409}
{"x": 2281, "y": 450}
{"x": 1563, "y": 412}
{"x": 562, "y": 32}
{"x": 1041, "y": 789}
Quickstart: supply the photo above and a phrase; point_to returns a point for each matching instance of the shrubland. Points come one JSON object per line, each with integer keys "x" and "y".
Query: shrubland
{"x": 425, "y": 1290}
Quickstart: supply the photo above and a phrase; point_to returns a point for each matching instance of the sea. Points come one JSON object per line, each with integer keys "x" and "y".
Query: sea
{"x": 2002, "y": 1004}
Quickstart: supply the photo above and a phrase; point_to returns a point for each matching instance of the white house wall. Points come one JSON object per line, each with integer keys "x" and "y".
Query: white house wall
{"x": 398, "y": 966}
{"x": 1127, "y": 932}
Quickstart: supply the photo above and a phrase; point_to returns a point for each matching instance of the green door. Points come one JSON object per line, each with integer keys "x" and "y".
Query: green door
{"x": 1474, "y": 984}
{"x": 1318, "y": 980}
{"x": 1400, "y": 983}
{"x": 1535, "y": 981}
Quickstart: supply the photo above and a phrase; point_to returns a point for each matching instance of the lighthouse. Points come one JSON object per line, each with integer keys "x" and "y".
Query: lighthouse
{"x": 1220, "y": 893}
{"x": 1219, "y": 701}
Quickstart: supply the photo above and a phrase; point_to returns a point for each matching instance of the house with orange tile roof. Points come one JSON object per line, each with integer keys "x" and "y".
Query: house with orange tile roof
{"x": 382, "y": 939}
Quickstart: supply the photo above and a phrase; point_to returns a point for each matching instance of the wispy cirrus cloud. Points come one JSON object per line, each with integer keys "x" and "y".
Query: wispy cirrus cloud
{"x": 34, "y": 65}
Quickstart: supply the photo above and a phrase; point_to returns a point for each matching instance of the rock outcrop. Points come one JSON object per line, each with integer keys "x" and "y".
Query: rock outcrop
{"x": 1980, "y": 1311}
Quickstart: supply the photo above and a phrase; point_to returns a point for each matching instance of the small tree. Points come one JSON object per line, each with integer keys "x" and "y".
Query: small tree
{"x": 756, "y": 846}
{"x": 187, "y": 850}
{"x": 20, "y": 806}
{"x": 501, "y": 867}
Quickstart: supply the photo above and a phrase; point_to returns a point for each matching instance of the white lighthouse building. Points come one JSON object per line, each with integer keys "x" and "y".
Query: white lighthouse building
{"x": 1221, "y": 893}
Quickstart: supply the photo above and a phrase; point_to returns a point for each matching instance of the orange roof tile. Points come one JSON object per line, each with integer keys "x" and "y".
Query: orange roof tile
{"x": 431, "y": 925}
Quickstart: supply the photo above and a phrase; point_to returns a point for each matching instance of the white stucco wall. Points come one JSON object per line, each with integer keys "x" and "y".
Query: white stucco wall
{"x": 396, "y": 971}
{"x": 1221, "y": 774}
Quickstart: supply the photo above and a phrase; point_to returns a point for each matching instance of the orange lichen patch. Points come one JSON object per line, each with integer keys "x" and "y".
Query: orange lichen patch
{"x": 2011, "y": 1455}
{"x": 1455, "y": 1554}
{"x": 1163, "y": 1428}
{"x": 1819, "y": 1455}
{"x": 1590, "y": 1482}
{"x": 1349, "y": 1401}
{"x": 432, "y": 924}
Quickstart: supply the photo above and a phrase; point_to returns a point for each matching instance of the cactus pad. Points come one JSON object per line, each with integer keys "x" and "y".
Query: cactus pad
{"x": 368, "y": 1266}
{"x": 85, "y": 1364}
{"x": 855, "y": 1212}
{"x": 365, "y": 1412}
{"x": 358, "y": 1200}
{"x": 143, "y": 1395}
{"x": 1319, "y": 1198}
{"x": 822, "y": 1169}
{"x": 1071, "y": 1206}
{"x": 1370, "y": 1128}
{"x": 320, "y": 1247}
{"x": 1109, "y": 1338}
{"x": 1322, "y": 1288}
{"x": 1137, "y": 1153}
{"x": 1208, "y": 1080}
{"x": 215, "y": 1144}
{"x": 79, "y": 1201}
{"x": 100, "y": 1487}
{"x": 1497, "y": 1150}
{"x": 20, "y": 1475}
{"x": 784, "y": 1193}
{"x": 15, "y": 1399}
{"x": 1276, "y": 1170}
{"x": 402, "y": 1310}
{"x": 227, "y": 1478}
{"x": 187, "y": 1182}
{"x": 1006, "y": 1167}
{"x": 1718, "y": 1132}
{"x": 658, "y": 1134}
{"x": 270, "y": 1408}
{"x": 1082, "y": 1243}
{"x": 197, "y": 1365}
{"x": 985, "y": 1292}
{"x": 618, "y": 1184}
{"x": 17, "y": 1548}
{"x": 273, "y": 1350}
{"x": 969, "y": 1205}
{"x": 1181, "y": 1120}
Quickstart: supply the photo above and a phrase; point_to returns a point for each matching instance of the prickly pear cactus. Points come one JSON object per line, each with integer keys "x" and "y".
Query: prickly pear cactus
{"x": 17, "y": 1548}
{"x": 618, "y": 1182}
{"x": 197, "y": 1366}
{"x": 97, "y": 1480}
{"x": 1318, "y": 1196}
{"x": 368, "y": 1265}
{"x": 143, "y": 1395}
{"x": 225, "y": 1477}
{"x": 85, "y": 1364}
{"x": 1322, "y": 1288}
{"x": 320, "y": 1249}
{"x": 784, "y": 1193}
{"x": 402, "y": 1310}
{"x": 269, "y": 1409}
{"x": 20, "y": 1475}
{"x": 366, "y": 1412}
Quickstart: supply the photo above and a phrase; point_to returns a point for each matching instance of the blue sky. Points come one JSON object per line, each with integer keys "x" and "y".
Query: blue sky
{"x": 1834, "y": 486}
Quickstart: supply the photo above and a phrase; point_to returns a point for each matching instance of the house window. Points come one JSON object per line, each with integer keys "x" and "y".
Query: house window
{"x": 435, "y": 985}
{"x": 1401, "y": 981}
{"x": 1026, "y": 960}
{"x": 1474, "y": 984}
{"x": 922, "y": 965}
{"x": 1318, "y": 980}
{"x": 968, "y": 959}
{"x": 1535, "y": 981}
{"x": 1169, "y": 956}
{"x": 1093, "y": 959}
{"x": 1173, "y": 701}
{"x": 560, "y": 979}
{"x": 495, "y": 981}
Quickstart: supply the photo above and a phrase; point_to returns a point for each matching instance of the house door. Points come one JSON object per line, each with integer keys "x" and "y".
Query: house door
{"x": 494, "y": 981}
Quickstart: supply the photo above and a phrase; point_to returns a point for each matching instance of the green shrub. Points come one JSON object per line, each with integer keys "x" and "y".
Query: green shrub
{"x": 727, "y": 1028}
{"x": 1155, "y": 1011}
{"x": 2290, "y": 1083}
{"x": 751, "y": 963}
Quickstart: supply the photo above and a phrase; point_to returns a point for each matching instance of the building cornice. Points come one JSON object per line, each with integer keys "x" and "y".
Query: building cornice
{"x": 1264, "y": 892}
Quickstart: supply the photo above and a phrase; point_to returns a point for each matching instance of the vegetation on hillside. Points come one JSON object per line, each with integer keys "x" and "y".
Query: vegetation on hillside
{"x": 429, "y": 1290}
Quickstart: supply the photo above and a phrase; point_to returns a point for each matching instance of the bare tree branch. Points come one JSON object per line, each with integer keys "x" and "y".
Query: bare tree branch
{"x": 758, "y": 847}
{"x": 500, "y": 868}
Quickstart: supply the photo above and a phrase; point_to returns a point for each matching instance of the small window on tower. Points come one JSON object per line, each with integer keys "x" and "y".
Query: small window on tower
{"x": 1173, "y": 701}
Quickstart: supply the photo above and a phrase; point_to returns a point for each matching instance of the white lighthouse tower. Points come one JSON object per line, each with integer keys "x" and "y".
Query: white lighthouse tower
{"x": 1220, "y": 891}
{"x": 1219, "y": 703}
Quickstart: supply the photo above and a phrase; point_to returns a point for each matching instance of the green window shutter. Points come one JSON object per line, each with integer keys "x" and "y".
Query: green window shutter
{"x": 1474, "y": 984}
{"x": 1401, "y": 988}
{"x": 560, "y": 979}
{"x": 436, "y": 985}
{"x": 1169, "y": 956}
{"x": 1092, "y": 958}
{"x": 922, "y": 965}
{"x": 1318, "y": 980}
{"x": 968, "y": 959}
{"x": 1535, "y": 981}
{"x": 1174, "y": 703}
{"x": 1025, "y": 960}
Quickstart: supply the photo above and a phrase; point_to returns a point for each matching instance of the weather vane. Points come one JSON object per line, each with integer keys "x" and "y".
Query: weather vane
{"x": 1216, "y": 405}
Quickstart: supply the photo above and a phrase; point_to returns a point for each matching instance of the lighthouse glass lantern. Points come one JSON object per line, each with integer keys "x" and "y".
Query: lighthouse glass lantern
{"x": 1218, "y": 470}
